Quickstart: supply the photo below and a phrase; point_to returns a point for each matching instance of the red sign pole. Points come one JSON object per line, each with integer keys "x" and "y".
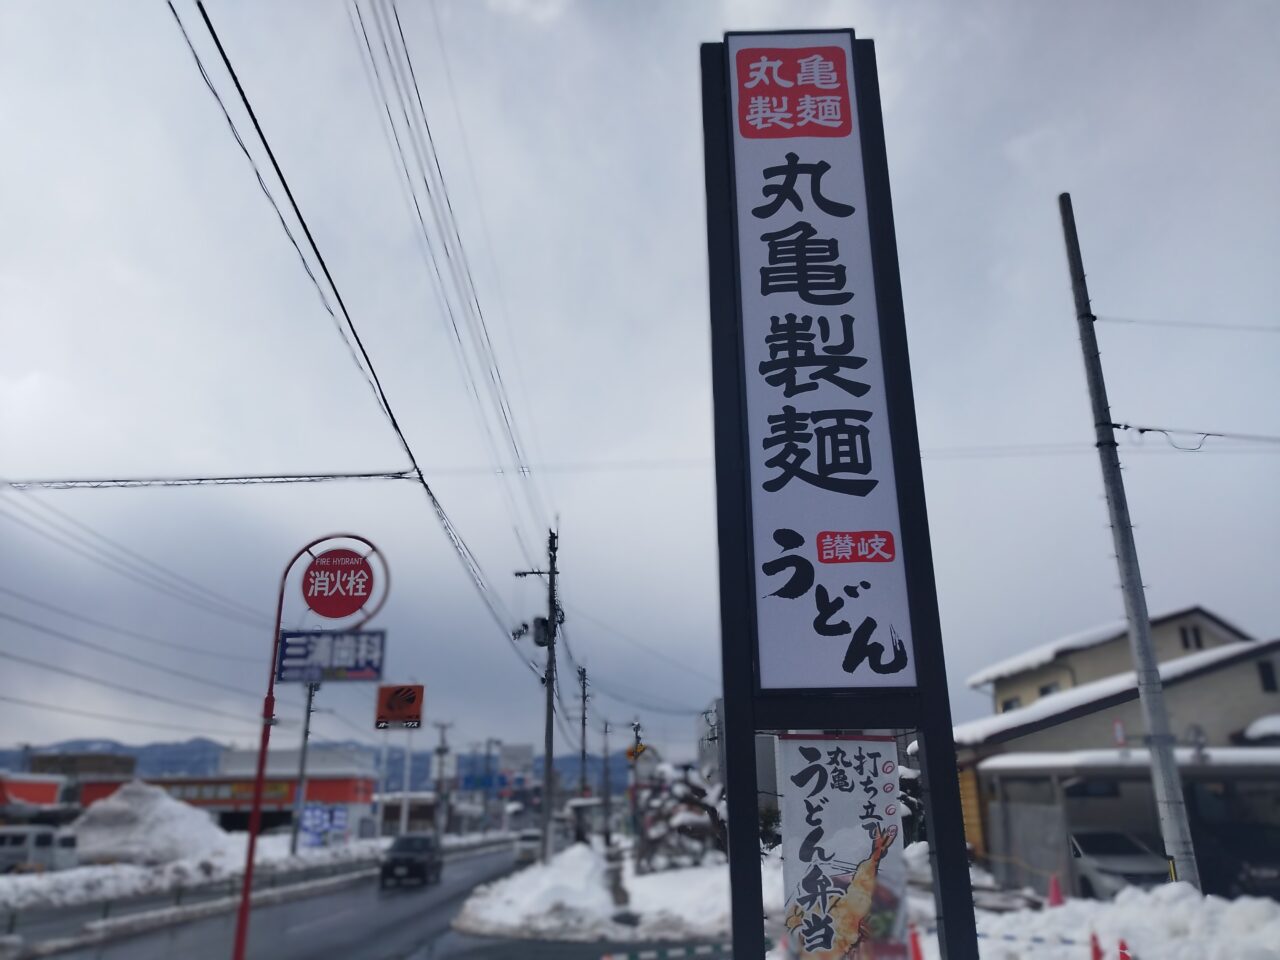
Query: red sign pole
{"x": 268, "y": 719}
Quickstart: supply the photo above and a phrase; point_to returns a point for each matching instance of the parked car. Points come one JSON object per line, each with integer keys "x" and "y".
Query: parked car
{"x": 1107, "y": 861}
{"x": 412, "y": 858}
{"x": 528, "y": 846}
{"x": 33, "y": 849}
{"x": 1239, "y": 859}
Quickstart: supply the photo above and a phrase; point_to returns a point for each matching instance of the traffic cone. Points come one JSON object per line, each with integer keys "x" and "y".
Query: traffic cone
{"x": 913, "y": 939}
{"x": 1124, "y": 950}
{"x": 1095, "y": 948}
{"x": 1055, "y": 891}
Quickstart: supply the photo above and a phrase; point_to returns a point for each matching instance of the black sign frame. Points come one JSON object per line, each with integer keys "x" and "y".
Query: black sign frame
{"x": 748, "y": 709}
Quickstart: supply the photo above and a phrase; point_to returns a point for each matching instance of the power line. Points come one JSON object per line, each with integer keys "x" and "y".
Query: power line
{"x": 140, "y": 576}
{"x": 1202, "y": 434}
{"x": 145, "y": 694}
{"x": 201, "y": 651}
{"x": 641, "y": 645}
{"x": 422, "y": 147}
{"x": 222, "y": 481}
{"x": 463, "y": 552}
{"x": 1193, "y": 324}
{"x": 128, "y": 658}
{"x": 266, "y": 192}
{"x": 183, "y": 582}
{"x": 115, "y": 718}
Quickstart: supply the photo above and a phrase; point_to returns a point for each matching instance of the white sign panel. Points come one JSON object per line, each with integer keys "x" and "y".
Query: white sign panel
{"x": 831, "y": 592}
{"x": 842, "y": 862}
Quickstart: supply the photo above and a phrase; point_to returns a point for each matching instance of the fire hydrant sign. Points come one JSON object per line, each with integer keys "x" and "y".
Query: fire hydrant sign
{"x": 831, "y": 593}
{"x": 337, "y": 583}
{"x": 842, "y": 863}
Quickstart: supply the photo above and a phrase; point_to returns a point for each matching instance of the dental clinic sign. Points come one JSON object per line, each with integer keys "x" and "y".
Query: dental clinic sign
{"x": 832, "y": 604}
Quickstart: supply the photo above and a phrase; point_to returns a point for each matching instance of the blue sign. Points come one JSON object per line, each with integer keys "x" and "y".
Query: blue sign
{"x": 312, "y": 656}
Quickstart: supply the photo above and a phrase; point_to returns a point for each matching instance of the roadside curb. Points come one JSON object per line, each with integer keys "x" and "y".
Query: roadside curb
{"x": 103, "y": 931}
{"x": 118, "y": 928}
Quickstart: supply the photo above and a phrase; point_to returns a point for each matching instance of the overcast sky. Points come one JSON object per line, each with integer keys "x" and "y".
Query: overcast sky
{"x": 156, "y": 322}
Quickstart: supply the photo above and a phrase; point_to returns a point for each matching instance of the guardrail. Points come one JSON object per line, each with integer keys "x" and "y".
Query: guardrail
{"x": 32, "y": 922}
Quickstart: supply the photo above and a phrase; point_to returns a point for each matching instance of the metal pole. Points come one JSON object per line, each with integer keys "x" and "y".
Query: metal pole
{"x": 606, "y": 789}
{"x": 635, "y": 783}
{"x": 488, "y": 781}
{"x": 300, "y": 791}
{"x": 582, "y": 753}
{"x": 1170, "y": 802}
{"x": 442, "y": 807}
{"x": 380, "y": 797}
{"x": 404, "y": 782}
{"x": 549, "y": 679}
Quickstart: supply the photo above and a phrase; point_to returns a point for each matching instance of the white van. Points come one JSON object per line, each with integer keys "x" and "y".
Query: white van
{"x": 34, "y": 849}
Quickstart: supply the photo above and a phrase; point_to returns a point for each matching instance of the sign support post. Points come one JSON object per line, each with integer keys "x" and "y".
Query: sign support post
{"x": 781, "y": 112}
{"x": 240, "y": 943}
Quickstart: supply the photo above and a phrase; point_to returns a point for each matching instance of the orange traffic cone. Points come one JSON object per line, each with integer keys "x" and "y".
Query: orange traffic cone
{"x": 913, "y": 940}
{"x": 1124, "y": 950}
{"x": 1095, "y": 948}
{"x": 1055, "y": 891}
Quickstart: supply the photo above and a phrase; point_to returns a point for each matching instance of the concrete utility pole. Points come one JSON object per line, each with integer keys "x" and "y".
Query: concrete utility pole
{"x": 1170, "y": 803}
{"x": 489, "y": 744}
{"x": 300, "y": 792}
{"x": 636, "y": 749}
{"x": 380, "y": 796}
{"x": 549, "y": 682}
{"x": 607, "y": 789}
{"x": 404, "y": 788}
{"x": 442, "y": 794}
{"x": 582, "y": 753}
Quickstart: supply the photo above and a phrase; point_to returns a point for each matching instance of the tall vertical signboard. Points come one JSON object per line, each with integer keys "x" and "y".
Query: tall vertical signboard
{"x": 828, "y": 605}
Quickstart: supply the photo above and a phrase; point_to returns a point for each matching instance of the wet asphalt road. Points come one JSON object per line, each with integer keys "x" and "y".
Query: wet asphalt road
{"x": 358, "y": 922}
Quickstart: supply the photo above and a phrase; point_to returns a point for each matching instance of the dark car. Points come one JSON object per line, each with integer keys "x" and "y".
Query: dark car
{"x": 413, "y": 858}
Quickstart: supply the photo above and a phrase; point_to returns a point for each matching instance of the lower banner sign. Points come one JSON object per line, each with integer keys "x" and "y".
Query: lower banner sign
{"x": 312, "y": 656}
{"x": 842, "y": 862}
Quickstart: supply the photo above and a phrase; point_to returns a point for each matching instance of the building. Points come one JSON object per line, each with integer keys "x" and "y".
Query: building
{"x": 1100, "y": 652}
{"x": 340, "y": 782}
{"x": 77, "y": 765}
{"x": 1064, "y": 749}
{"x": 34, "y": 798}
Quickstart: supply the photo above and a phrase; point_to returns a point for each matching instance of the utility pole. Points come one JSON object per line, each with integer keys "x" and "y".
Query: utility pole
{"x": 607, "y": 789}
{"x": 1170, "y": 802}
{"x": 549, "y": 682}
{"x": 636, "y": 749}
{"x": 300, "y": 791}
{"x": 442, "y": 801}
{"x": 489, "y": 743}
{"x": 582, "y": 755}
{"x": 404, "y": 788}
{"x": 380, "y": 796}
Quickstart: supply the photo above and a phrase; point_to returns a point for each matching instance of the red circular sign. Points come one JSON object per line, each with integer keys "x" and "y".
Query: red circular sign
{"x": 337, "y": 583}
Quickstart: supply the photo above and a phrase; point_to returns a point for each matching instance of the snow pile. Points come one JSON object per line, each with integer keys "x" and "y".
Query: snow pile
{"x": 568, "y": 899}
{"x": 565, "y": 899}
{"x": 1172, "y": 922}
{"x": 1264, "y": 728}
{"x": 140, "y": 823}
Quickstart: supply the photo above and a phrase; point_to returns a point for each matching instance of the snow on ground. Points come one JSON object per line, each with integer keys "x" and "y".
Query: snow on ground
{"x": 156, "y": 844}
{"x": 568, "y": 900}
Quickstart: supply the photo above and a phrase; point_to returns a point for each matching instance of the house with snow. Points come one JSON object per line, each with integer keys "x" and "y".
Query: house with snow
{"x": 1063, "y": 752}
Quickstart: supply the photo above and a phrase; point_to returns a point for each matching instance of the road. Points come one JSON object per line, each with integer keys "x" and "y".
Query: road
{"x": 359, "y": 922}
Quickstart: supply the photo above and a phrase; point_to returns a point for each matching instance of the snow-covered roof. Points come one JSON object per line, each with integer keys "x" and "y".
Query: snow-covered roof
{"x": 1073, "y": 698}
{"x": 1264, "y": 728}
{"x": 1048, "y": 652}
{"x": 1138, "y": 758}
